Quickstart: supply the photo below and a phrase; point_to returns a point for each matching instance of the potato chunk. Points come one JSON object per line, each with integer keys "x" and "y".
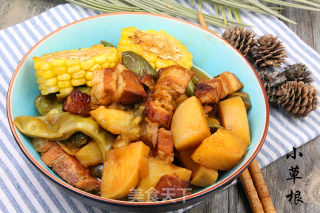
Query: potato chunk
{"x": 189, "y": 124}
{"x": 114, "y": 120}
{"x": 221, "y": 151}
{"x": 233, "y": 116}
{"x": 186, "y": 160}
{"x": 157, "y": 169}
{"x": 89, "y": 155}
{"x": 203, "y": 176}
{"x": 122, "y": 170}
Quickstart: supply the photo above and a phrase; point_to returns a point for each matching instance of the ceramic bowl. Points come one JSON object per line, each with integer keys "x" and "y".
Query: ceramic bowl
{"x": 211, "y": 53}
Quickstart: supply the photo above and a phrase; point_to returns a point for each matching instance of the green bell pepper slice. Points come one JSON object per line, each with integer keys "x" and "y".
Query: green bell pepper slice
{"x": 62, "y": 125}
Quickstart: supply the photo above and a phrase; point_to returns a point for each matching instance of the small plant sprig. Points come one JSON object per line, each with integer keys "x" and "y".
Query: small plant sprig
{"x": 227, "y": 11}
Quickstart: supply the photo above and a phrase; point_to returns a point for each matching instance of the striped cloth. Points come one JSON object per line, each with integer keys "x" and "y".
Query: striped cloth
{"x": 23, "y": 189}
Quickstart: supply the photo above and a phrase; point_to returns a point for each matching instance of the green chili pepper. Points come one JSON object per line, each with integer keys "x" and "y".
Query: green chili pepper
{"x": 61, "y": 126}
{"x": 86, "y": 90}
{"x": 96, "y": 171}
{"x": 77, "y": 140}
{"x": 190, "y": 89}
{"x": 45, "y": 103}
{"x": 138, "y": 64}
{"x": 245, "y": 97}
{"x": 106, "y": 44}
{"x": 195, "y": 80}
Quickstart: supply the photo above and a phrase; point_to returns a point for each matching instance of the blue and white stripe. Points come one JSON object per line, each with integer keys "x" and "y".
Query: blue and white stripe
{"x": 22, "y": 189}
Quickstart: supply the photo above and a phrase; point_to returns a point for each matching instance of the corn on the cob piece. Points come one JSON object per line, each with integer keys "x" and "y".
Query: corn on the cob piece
{"x": 61, "y": 71}
{"x": 159, "y": 48}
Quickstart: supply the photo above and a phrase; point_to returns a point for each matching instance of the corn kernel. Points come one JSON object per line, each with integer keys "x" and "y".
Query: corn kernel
{"x": 44, "y": 66}
{"x": 125, "y": 42}
{"x": 72, "y": 62}
{"x": 137, "y": 49}
{"x": 44, "y": 92}
{"x": 37, "y": 73}
{"x": 89, "y": 83}
{"x": 113, "y": 55}
{"x": 73, "y": 69}
{"x": 52, "y": 89}
{"x": 57, "y": 62}
{"x": 79, "y": 74}
{"x": 66, "y": 90}
{"x": 63, "y": 84}
{"x": 64, "y": 77}
{"x": 149, "y": 56}
{"x": 100, "y": 58}
{"x": 59, "y": 70}
{"x": 128, "y": 31}
{"x": 47, "y": 74}
{"x": 40, "y": 79}
{"x": 37, "y": 65}
{"x": 164, "y": 63}
{"x": 98, "y": 46}
{"x": 89, "y": 75}
{"x": 50, "y": 82}
{"x": 152, "y": 31}
{"x": 95, "y": 67}
{"x": 105, "y": 65}
{"x": 123, "y": 49}
{"x": 42, "y": 87}
{"x": 153, "y": 65}
{"x": 78, "y": 82}
{"x": 112, "y": 64}
{"x": 87, "y": 64}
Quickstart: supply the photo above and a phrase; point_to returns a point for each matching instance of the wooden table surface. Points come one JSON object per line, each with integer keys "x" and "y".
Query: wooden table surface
{"x": 233, "y": 198}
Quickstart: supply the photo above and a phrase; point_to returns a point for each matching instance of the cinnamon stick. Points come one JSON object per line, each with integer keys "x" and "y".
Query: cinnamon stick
{"x": 251, "y": 192}
{"x": 261, "y": 187}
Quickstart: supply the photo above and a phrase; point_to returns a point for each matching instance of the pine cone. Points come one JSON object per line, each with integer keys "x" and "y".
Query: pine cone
{"x": 297, "y": 98}
{"x": 271, "y": 82}
{"x": 270, "y": 52}
{"x": 298, "y": 72}
{"x": 241, "y": 38}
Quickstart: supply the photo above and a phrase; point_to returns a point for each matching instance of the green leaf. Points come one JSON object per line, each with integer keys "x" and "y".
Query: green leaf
{"x": 106, "y": 44}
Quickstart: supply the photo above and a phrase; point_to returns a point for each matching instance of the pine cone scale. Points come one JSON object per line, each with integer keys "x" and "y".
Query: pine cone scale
{"x": 298, "y": 72}
{"x": 269, "y": 53}
{"x": 241, "y": 38}
{"x": 297, "y": 98}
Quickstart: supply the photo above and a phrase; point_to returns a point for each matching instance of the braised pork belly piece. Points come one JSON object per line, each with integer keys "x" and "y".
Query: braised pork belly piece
{"x": 65, "y": 166}
{"x": 148, "y": 82}
{"x": 129, "y": 89}
{"x": 104, "y": 84}
{"x": 172, "y": 83}
{"x": 170, "y": 183}
{"x": 116, "y": 85}
{"x": 213, "y": 90}
{"x": 149, "y": 134}
{"x": 164, "y": 145}
{"x": 77, "y": 103}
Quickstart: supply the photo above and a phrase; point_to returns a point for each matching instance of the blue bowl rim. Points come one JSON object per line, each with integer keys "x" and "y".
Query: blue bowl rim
{"x": 69, "y": 187}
